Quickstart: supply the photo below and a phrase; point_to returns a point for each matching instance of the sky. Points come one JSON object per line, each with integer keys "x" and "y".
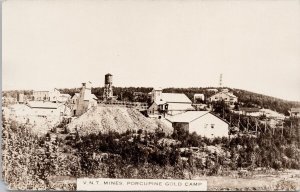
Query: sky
{"x": 169, "y": 43}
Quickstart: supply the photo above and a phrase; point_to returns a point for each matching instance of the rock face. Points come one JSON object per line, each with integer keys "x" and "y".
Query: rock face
{"x": 113, "y": 118}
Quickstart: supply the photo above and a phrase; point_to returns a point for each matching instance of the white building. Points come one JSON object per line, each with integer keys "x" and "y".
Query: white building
{"x": 228, "y": 97}
{"x": 295, "y": 112}
{"x": 63, "y": 98}
{"x": 41, "y": 96}
{"x": 35, "y": 110}
{"x": 53, "y": 96}
{"x": 203, "y": 123}
{"x": 199, "y": 97}
{"x": 170, "y": 103}
{"x": 56, "y": 96}
{"x": 75, "y": 98}
{"x": 48, "y": 109}
{"x": 19, "y": 113}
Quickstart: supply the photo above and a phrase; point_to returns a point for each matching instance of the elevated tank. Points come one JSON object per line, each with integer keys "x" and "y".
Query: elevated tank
{"x": 108, "y": 78}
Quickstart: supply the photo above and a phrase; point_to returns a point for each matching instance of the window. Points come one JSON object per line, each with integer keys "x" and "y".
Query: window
{"x": 212, "y": 126}
{"x": 205, "y": 125}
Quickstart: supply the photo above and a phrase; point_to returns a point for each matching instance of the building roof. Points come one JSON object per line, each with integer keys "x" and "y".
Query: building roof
{"x": 187, "y": 117}
{"x": 198, "y": 94}
{"x": 157, "y": 88}
{"x": 89, "y": 97}
{"x": 65, "y": 95}
{"x": 249, "y": 109}
{"x": 271, "y": 113}
{"x": 18, "y": 107}
{"x": 41, "y": 91}
{"x": 43, "y": 105}
{"x": 76, "y": 95}
{"x": 160, "y": 102}
{"x": 175, "y": 98}
{"x": 227, "y": 93}
{"x": 230, "y": 94}
{"x": 190, "y": 116}
{"x": 212, "y": 89}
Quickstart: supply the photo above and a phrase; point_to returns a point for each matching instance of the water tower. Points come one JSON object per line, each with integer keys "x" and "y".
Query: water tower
{"x": 108, "y": 90}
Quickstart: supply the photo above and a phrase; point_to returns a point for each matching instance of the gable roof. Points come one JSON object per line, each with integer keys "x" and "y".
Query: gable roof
{"x": 175, "y": 98}
{"x": 187, "y": 117}
{"x": 157, "y": 89}
{"x": 76, "y": 95}
{"x": 65, "y": 95}
{"x": 198, "y": 94}
{"x": 44, "y": 91}
{"x": 17, "y": 107}
{"x": 89, "y": 97}
{"x": 190, "y": 116}
{"x": 226, "y": 93}
{"x": 250, "y": 109}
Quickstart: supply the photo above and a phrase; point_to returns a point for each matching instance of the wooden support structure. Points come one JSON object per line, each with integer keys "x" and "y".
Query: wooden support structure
{"x": 256, "y": 126}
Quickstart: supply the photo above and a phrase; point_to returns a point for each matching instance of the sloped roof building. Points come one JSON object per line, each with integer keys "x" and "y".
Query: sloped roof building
{"x": 203, "y": 123}
{"x": 171, "y": 103}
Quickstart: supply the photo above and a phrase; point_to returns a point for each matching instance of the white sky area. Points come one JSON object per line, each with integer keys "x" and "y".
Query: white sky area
{"x": 168, "y": 43}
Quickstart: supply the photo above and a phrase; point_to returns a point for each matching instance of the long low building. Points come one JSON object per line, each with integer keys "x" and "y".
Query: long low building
{"x": 203, "y": 123}
{"x": 30, "y": 112}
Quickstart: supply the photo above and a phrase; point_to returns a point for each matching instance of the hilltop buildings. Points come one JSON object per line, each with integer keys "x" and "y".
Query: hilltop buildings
{"x": 225, "y": 96}
{"x": 52, "y": 96}
{"x": 295, "y": 112}
{"x": 40, "y": 95}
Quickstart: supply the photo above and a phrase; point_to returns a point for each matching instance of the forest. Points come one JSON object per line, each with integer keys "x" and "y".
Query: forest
{"x": 138, "y": 154}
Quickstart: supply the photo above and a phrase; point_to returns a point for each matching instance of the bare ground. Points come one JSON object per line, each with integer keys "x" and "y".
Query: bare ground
{"x": 285, "y": 180}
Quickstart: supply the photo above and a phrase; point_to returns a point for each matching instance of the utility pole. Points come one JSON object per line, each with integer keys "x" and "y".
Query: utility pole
{"x": 291, "y": 128}
{"x": 247, "y": 124}
{"x": 282, "y": 128}
{"x": 239, "y": 122}
{"x": 256, "y": 126}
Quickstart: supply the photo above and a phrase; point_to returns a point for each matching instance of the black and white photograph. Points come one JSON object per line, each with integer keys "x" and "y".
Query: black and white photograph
{"x": 169, "y": 95}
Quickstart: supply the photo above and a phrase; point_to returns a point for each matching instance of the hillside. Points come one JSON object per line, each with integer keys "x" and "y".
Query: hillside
{"x": 247, "y": 98}
{"x": 255, "y": 99}
{"x": 118, "y": 119}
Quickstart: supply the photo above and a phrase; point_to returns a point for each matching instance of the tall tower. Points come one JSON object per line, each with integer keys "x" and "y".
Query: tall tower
{"x": 220, "y": 83}
{"x": 108, "y": 90}
{"x": 156, "y": 94}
